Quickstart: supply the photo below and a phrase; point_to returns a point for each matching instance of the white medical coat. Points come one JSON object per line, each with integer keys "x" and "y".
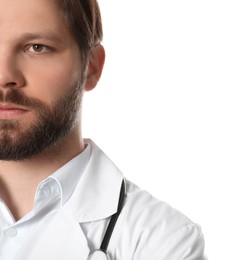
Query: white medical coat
{"x": 147, "y": 229}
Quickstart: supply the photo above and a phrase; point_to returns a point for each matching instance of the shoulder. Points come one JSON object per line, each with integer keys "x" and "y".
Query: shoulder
{"x": 142, "y": 203}
{"x": 158, "y": 231}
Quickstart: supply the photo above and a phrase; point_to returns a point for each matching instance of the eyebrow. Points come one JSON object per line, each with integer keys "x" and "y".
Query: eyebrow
{"x": 51, "y": 36}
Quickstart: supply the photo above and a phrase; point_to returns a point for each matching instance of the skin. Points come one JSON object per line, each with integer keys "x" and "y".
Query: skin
{"x": 44, "y": 73}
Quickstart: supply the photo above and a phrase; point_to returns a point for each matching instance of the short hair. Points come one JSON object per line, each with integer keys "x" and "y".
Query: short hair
{"x": 84, "y": 20}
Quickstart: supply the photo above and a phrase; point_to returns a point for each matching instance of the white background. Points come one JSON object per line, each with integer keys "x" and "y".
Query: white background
{"x": 169, "y": 108}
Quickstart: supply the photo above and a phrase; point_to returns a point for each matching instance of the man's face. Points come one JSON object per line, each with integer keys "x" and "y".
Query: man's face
{"x": 40, "y": 78}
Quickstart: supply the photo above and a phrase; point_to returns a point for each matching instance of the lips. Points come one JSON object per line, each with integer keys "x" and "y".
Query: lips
{"x": 8, "y": 110}
{"x": 10, "y": 107}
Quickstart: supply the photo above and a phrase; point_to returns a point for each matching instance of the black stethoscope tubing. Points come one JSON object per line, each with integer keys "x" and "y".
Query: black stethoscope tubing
{"x": 101, "y": 253}
{"x": 113, "y": 220}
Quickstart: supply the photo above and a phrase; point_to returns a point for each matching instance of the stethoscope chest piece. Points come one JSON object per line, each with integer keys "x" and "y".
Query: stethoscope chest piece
{"x": 98, "y": 255}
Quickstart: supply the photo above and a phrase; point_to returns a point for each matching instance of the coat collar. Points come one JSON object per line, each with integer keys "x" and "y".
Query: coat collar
{"x": 97, "y": 192}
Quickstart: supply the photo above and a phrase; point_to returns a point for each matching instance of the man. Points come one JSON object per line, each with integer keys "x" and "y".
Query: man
{"x": 59, "y": 191}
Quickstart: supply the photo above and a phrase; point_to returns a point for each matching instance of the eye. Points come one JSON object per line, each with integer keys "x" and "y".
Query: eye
{"x": 38, "y": 48}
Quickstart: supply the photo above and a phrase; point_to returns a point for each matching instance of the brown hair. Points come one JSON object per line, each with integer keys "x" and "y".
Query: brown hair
{"x": 84, "y": 20}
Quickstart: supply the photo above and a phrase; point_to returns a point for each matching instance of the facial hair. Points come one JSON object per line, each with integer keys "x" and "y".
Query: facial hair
{"x": 52, "y": 123}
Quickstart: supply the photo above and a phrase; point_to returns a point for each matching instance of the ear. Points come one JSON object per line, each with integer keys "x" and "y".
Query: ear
{"x": 95, "y": 67}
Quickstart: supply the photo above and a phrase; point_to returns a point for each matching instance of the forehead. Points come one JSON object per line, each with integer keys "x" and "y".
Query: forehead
{"x": 29, "y": 15}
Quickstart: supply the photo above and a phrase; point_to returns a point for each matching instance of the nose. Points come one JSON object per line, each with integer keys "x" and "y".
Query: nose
{"x": 10, "y": 73}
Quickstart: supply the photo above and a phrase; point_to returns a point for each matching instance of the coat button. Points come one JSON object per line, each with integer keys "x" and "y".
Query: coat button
{"x": 12, "y": 232}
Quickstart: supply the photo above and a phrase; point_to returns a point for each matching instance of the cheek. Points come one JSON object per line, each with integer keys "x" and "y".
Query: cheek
{"x": 49, "y": 80}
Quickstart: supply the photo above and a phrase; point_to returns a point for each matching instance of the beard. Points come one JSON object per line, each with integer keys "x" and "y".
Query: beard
{"x": 18, "y": 142}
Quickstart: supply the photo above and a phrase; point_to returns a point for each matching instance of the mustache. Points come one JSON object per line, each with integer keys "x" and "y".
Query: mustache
{"x": 16, "y": 97}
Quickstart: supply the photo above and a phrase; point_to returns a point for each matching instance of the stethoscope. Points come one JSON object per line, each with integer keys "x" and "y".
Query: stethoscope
{"x": 101, "y": 253}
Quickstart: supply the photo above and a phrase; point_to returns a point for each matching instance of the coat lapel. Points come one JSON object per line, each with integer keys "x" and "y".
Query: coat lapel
{"x": 97, "y": 193}
{"x": 61, "y": 238}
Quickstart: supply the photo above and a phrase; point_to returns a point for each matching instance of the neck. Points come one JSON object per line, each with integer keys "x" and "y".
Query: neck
{"x": 19, "y": 180}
